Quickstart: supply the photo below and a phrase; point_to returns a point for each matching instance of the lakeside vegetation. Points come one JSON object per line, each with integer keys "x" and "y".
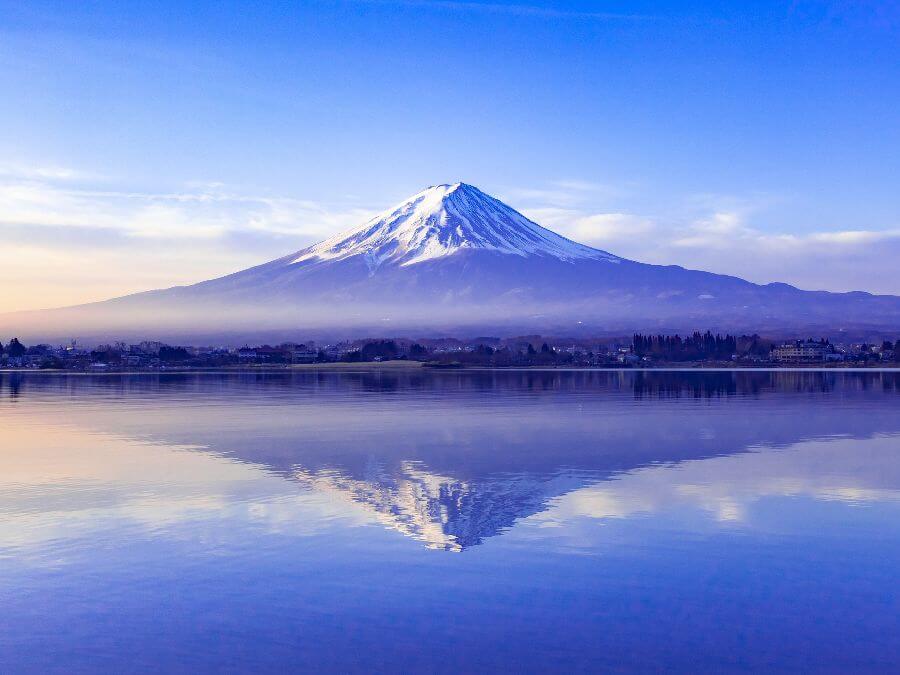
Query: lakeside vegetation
{"x": 640, "y": 351}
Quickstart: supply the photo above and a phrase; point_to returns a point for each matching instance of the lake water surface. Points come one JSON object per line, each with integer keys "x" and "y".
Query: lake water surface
{"x": 450, "y": 522}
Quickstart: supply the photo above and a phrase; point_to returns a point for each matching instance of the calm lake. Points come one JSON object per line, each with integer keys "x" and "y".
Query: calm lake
{"x": 450, "y": 522}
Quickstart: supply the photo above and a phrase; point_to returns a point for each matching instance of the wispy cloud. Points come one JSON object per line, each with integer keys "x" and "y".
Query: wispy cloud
{"x": 725, "y": 241}
{"x": 883, "y": 14}
{"x": 604, "y": 229}
{"x": 48, "y": 172}
{"x": 67, "y": 239}
{"x": 564, "y": 193}
{"x": 503, "y": 8}
{"x": 33, "y": 198}
{"x": 719, "y": 233}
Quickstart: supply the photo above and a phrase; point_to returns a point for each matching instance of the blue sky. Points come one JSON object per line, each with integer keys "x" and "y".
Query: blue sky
{"x": 148, "y": 144}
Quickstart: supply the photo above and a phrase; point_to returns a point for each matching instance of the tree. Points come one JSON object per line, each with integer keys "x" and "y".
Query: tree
{"x": 484, "y": 350}
{"x": 167, "y": 353}
{"x": 15, "y": 348}
{"x": 384, "y": 350}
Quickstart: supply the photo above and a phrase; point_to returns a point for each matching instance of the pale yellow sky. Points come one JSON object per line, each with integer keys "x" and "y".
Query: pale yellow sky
{"x": 37, "y": 277}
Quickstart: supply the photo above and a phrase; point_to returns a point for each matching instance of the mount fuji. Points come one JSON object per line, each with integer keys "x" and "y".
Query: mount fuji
{"x": 454, "y": 259}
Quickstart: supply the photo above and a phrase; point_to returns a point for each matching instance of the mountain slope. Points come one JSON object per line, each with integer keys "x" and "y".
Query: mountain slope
{"x": 452, "y": 258}
{"x": 443, "y": 220}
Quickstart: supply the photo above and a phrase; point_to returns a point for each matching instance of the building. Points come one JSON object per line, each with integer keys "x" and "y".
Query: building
{"x": 135, "y": 360}
{"x": 246, "y": 355}
{"x": 802, "y": 351}
{"x": 303, "y": 354}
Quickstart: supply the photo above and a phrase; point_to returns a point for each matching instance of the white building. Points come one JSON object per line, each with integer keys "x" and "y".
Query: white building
{"x": 802, "y": 351}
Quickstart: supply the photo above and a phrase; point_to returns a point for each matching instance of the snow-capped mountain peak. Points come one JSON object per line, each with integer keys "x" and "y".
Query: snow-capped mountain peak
{"x": 443, "y": 220}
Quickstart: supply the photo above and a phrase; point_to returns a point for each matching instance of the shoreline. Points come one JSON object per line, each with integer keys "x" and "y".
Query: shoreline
{"x": 407, "y": 366}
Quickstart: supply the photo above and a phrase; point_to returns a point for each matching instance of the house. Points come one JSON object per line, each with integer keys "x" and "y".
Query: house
{"x": 246, "y": 355}
{"x": 34, "y": 360}
{"x": 304, "y": 354}
{"x": 267, "y": 354}
{"x": 333, "y": 352}
{"x": 802, "y": 351}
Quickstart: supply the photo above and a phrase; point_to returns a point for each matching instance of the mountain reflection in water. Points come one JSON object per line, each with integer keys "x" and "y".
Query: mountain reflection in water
{"x": 452, "y": 459}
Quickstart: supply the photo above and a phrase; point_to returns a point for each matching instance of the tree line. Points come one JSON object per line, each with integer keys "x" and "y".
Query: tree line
{"x": 698, "y": 346}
